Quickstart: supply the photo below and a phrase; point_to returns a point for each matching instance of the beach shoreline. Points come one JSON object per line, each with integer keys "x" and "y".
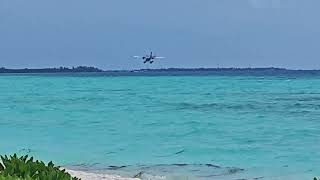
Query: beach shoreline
{"x": 83, "y": 175}
{"x": 95, "y": 176}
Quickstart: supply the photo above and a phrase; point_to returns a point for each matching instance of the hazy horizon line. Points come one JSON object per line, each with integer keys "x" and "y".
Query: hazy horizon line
{"x": 186, "y": 68}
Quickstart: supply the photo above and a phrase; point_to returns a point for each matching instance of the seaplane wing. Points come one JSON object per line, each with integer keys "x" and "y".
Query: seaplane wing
{"x": 160, "y": 57}
{"x": 137, "y": 56}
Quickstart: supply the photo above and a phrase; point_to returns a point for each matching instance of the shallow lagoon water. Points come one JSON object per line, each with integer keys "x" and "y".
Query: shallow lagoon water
{"x": 205, "y": 127}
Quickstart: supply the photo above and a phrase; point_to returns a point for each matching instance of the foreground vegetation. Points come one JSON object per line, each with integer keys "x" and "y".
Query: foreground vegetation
{"x": 24, "y": 168}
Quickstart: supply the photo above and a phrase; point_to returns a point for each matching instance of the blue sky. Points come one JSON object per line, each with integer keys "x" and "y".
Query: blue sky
{"x": 191, "y": 33}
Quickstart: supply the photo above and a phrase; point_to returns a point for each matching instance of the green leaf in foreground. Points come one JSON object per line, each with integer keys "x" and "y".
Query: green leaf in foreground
{"x": 24, "y": 168}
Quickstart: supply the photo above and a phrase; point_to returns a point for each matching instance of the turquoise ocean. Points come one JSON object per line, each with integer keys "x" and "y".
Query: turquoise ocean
{"x": 186, "y": 126}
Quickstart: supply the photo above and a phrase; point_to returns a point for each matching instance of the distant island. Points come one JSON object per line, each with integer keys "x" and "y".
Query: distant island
{"x": 168, "y": 71}
{"x": 52, "y": 70}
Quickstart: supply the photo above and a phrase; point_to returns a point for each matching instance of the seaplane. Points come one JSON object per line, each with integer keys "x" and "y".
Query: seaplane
{"x": 149, "y": 58}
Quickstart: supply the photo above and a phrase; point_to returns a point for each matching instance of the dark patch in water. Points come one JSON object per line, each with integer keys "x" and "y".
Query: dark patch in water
{"x": 176, "y": 153}
{"x": 208, "y": 165}
{"x": 116, "y": 167}
{"x": 212, "y": 165}
{"x": 182, "y": 151}
{"x": 206, "y": 94}
{"x": 297, "y": 104}
{"x": 86, "y": 165}
{"x": 108, "y": 153}
{"x": 301, "y": 99}
{"x": 279, "y": 157}
{"x": 214, "y": 106}
{"x": 26, "y": 150}
{"x": 180, "y": 164}
{"x": 191, "y": 106}
{"x": 94, "y": 122}
{"x": 234, "y": 170}
{"x": 118, "y": 90}
{"x": 229, "y": 171}
{"x": 251, "y": 141}
{"x": 258, "y": 178}
{"x": 195, "y": 170}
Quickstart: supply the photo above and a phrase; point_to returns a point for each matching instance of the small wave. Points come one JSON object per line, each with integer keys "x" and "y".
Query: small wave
{"x": 213, "y": 106}
{"x": 165, "y": 171}
{"x": 298, "y": 99}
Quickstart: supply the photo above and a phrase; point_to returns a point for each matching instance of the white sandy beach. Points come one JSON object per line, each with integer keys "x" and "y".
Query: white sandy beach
{"x": 101, "y": 176}
{"x": 97, "y": 176}
{"x": 92, "y": 176}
